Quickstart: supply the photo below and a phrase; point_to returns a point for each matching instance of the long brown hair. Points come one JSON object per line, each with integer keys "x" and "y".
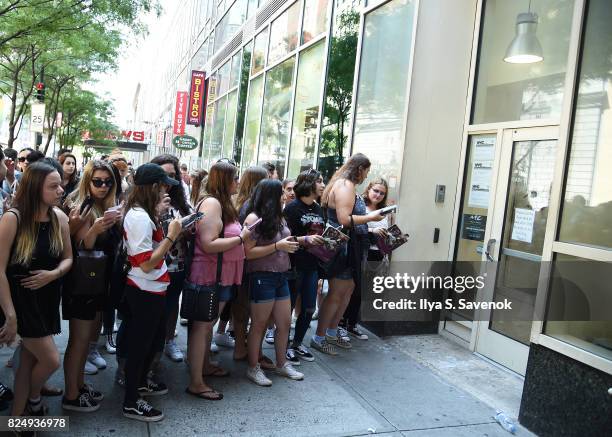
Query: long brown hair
{"x": 146, "y": 197}
{"x": 220, "y": 178}
{"x": 377, "y": 181}
{"x": 197, "y": 178}
{"x": 250, "y": 178}
{"x": 27, "y": 201}
{"x": 78, "y": 196}
{"x": 351, "y": 170}
{"x": 62, "y": 158}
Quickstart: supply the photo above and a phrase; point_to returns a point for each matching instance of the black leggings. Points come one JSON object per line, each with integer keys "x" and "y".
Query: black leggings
{"x": 145, "y": 334}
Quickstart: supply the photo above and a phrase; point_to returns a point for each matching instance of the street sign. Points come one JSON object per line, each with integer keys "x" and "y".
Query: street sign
{"x": 185, "y": 142}
{"x": 37, "y": 121}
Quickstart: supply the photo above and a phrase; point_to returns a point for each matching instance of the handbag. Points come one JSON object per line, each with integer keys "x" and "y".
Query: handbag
{"x": 88, "y": 273}
{"x": 200, "y": 303}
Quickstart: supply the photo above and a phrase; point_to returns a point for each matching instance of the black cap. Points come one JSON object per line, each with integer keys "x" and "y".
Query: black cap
{"x": 149, "y": 174}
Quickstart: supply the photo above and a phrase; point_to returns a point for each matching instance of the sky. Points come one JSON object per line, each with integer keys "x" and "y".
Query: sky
{"x": 120, "y": 85}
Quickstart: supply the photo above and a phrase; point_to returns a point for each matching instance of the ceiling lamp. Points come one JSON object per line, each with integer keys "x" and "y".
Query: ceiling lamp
{"x": 525, "y": 47}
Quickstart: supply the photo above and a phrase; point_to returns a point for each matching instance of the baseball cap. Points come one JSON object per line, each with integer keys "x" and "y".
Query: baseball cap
{"x": 149, "y": 174}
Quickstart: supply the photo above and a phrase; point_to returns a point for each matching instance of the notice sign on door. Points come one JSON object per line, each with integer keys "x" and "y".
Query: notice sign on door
{"x": 522, "y": 230}
{"x": 483, "y": 155}
{"x": 473, "y": 227}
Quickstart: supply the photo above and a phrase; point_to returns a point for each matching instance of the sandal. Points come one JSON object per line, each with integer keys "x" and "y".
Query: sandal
{"x": 217, "y": 371}
{"x": 209, "y": 395}
{"x": 51, "y": 391}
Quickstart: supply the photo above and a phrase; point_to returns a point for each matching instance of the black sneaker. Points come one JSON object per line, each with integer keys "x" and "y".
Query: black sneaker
{"x": 142, "y": 410}
{"x": 292, "y": 358}
{"x": 6, "y": 394}
{"x": 303, "y": 353}
{"x": 36, "y": 409}
{"x": 153, "y": 389}
{"x": 84, "y": 403}
{"x": 94, "y": 394}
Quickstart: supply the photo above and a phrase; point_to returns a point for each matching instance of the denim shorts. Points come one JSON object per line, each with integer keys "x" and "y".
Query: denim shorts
{"x": 225, "y": 293}
{"x": 268, "y": 287}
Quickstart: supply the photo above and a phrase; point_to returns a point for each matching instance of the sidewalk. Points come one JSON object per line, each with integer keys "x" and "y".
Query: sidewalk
{"x": 376, "y": 387}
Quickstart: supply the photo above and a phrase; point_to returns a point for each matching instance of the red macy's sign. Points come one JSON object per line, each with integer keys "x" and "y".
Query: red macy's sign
{"x": 196, "y": 97}
{"x": 179, "y": 113}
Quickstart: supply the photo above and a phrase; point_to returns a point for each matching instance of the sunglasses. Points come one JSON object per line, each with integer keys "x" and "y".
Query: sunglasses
{"x": 98, "y": 183}
{"x": 21, "y": 159}
{"x": 381, "y": 193}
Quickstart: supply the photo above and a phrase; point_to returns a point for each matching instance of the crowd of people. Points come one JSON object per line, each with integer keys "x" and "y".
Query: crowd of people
{"x": 244, "y": 263}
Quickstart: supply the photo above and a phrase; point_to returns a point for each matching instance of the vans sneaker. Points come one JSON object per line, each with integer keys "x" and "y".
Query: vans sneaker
{"x": 143, "y": 411}
{"x": 289, "y": 372}
{"x": 303, "y": 353}
{"x": 83, "y": 403}
{"x": 323, "y": 346}
{"x": 270, "y": 336}
{"x": 354, "y": 331}
{"x": 94, "y": 394}
{"x": 292, "y": 357}
{"x": 153, "y": 389}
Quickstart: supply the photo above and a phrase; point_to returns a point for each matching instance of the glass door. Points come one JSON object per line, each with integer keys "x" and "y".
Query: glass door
{"x": 514, "y": 244}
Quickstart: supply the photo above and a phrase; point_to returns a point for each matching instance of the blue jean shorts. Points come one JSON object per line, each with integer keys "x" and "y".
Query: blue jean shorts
{"x": 268, "y": 287}
{"x": 225, "y": 293}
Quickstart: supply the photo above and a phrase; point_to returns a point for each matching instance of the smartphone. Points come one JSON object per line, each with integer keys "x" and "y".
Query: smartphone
{"x": 387, "y": 210}
{"x": 86, "y": 203}
{"x": 251, "y": 226}
{"x": 191, "y": 219}
{"x": 111, "y": 214}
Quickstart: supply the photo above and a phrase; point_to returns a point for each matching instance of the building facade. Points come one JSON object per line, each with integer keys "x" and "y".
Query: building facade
{"x": 490, "y": 119}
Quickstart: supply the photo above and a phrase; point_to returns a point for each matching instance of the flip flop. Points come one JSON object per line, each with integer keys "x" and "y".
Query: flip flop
{"x": 217, "y": 371}
{"x": 214, "y": 395}
{"x": 51, "y": 391}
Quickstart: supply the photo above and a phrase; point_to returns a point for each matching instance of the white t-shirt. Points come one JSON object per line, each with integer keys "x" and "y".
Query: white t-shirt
{"x": 384, "y": 223}
{"x": 141, "y": 238}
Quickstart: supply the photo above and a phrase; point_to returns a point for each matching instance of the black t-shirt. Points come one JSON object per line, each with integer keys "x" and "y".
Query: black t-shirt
{"x": 303, "y": 220}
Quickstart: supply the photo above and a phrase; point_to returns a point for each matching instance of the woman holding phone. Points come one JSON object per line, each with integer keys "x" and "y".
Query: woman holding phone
{"x": 219, "y": 232}
{"x": 267, "y": 253}
{"x": 94, "y": 227}
{"x": 35, "y": 254}
{"x": 346, "y": 209}
{"x": 145, "y": 292}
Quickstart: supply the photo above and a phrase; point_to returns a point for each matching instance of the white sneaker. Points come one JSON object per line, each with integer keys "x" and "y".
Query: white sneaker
{"x": 224, "y": 340}
{"x": 184, "y": 322}
{"x": 90, "y": 368}
{"x": 289, "y": 372}
{"x": 343, "y": 333}
{"x": 173, "y": 352}
{"x": 95, "y": 358}
{"x": 213, "y": 347}
{"x": 110, "y": 346}
{"x": 293, "y": 321}
{"x": 258, "y": 376}
{"x": 270, "y": 336}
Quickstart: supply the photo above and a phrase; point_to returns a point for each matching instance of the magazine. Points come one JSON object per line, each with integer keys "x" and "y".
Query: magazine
{"x": 333, "y": 237}
{"x": 394, "y": 239}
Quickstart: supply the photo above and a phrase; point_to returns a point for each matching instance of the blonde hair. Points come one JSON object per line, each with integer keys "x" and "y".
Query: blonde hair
{"x": 83, "y": 191}
{"x": 27, "y": 202}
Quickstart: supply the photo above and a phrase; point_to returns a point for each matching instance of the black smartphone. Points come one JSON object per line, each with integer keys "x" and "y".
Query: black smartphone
{"x": 86, "y": 203}
{"x": 191, "y": 219}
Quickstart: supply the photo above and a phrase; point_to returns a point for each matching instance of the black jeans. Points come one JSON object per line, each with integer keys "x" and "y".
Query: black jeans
{"x": 144, "y": 334}
{"x": 305, "y": 285}
{"x": 352, "y": 314}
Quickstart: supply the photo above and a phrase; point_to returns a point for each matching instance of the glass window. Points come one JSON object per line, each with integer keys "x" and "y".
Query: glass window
{"x": 306, "y": 109}
{"x": 253, "y": 116}
{"x": 223, "y": 78}
{"x": 259, "y": 52}
{"x": 284, "y": 33}
{"x": 216, "y": 139}
{"x": 230, "y": 124}
{"x": 521, "y": 91}
{"x": 252, "y": 8}
{"x": 230, "y": 23}
{"x": 200, "y": 58}
{"x": 382, "y": 90}
{"x": 210, "y": 112}
{"x": 274, "y": 136}
{"x": 235, "y": 74}
{"x": 333, "y": 144}
{"x": 580, "y": 303}
{"x": 242, "y": 98}
{"x": 315, "y": 19}
{"x": 587, "y": 207}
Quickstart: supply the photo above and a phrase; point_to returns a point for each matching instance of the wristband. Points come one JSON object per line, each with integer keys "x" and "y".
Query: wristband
{"x": 170, "y": 239}
{"x": 275, "y": 249}
{"x": 306, "y": 240}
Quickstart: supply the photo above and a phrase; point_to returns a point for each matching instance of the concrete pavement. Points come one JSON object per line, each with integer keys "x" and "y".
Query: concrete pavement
{"x": 374, "y": 388}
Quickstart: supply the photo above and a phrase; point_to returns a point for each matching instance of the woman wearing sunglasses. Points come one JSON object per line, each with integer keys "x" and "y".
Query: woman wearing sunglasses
{"x": 90, "y": 229}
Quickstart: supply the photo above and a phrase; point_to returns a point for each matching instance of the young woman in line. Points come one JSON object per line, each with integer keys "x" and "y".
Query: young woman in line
{"x": 267, "y": 253}
{"x": 288, "y": 191}
{"x": 35, "y": 254}
{"x": 145, "y": 291}
{"x": 375, "y": 197}
{"x": 220, "y": 231}
{"x": 240, "y": 306}
{"x": 179, "y": 208}
{"x": 305, "y": 219}
{"x": 344, "y": 208}
{"x": 70, "y": 180}
{"x": 197, "y": 182}
{"x": 92, "y": 230}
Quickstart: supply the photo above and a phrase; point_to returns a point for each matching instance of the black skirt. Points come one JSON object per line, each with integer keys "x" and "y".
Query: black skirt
{"x": 37, "y": 311}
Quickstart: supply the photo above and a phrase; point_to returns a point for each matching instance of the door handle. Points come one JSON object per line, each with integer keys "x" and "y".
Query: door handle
{"x": 490, "y": 247}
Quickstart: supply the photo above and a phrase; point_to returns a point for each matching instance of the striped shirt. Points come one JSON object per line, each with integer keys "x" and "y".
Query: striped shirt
{"x": 141, "y": 238}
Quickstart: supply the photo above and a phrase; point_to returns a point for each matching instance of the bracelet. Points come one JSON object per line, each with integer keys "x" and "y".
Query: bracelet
{"x": 170, "y": 239}
{"x": 306, "y": 240}
{"x": 275, "y": 249}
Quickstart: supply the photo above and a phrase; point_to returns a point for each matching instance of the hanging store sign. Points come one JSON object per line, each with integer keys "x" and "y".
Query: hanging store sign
{"x": 185, "y": 142}
{"x": 196, "y": 97}
{"x": 180, "y": 113}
